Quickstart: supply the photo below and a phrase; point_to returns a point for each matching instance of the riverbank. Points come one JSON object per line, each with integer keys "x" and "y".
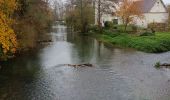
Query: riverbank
{"x": 41, "y": 42}
{"x": 23, "y": 26}
{"x": 158, "y": 43}
{"x": 36, "y": 76}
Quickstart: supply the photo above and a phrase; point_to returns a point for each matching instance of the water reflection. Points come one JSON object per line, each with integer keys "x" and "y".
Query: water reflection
{"x": 15, "y": 74}
{"x": 119, "y": 74}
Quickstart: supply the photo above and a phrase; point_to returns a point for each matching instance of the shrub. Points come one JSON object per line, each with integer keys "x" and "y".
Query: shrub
{"x": 157, "y": 65}
{"x": 94, "y": 28}
{"x": 147, "y": 34}
{"x": 134, "y": 28}
{"x": 159, "y": 26}
{"x": 108, "y": 24}
{"x": 115, "y": 28}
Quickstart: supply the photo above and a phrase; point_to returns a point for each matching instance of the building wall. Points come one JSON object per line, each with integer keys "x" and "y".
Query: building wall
{"x": 148, "y": 18}
{"x": 157, "y": 14}
{"x": 152, "y": 17}
{"x": 158, "y": 7}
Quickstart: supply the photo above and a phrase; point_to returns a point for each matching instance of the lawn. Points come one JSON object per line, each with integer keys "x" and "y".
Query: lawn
{"x": 158, "y": 43}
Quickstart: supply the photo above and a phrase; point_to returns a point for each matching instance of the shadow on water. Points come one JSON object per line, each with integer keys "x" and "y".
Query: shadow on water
{"x": 119, "y": 74}
{"x": 15, "y": 73}
{"x": 83, "y": 47}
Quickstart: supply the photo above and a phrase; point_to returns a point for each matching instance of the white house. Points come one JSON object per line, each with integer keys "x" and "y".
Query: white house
{"x": 153, "y": 11}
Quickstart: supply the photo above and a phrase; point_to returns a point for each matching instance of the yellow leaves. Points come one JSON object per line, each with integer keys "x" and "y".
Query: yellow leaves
{"x": 8, "y": 40}
{"x": 8, "y": 6}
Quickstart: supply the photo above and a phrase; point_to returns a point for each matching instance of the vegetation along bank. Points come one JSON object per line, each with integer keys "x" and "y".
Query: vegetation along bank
{"x": 22, "y": 23}
{"x": 146, "y": 41}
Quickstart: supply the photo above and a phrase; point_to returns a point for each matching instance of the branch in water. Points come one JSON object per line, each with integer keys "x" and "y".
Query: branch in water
{"x": 79, "y": 65}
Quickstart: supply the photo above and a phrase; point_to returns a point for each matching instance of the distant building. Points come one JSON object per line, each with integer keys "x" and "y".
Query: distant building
{"x": 153, "y": 11}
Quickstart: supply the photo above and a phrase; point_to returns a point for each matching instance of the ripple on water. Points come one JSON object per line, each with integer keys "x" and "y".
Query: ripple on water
{"x": 119, "y": 74}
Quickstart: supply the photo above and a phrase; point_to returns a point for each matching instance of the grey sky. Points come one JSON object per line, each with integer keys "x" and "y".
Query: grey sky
{"x": 166, "y": 1}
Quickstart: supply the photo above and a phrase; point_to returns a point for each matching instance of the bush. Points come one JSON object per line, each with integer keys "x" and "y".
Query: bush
{"x": 134, "y": 28}
{"x": 157, "y": 65}
{"x": 161, "y": 27}
{"x": 108, "y": 24}
{"x": 147, "y": 34}
{"x": 115, "y": 28}
{"x": 94, "y": 28}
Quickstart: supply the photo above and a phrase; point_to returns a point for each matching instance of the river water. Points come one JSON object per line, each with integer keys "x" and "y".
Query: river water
{"x": 118, "y": 74}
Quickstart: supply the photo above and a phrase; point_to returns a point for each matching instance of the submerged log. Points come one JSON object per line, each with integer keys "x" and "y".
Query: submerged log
{"x": 79, "y": 65}
{"x": 164, "y": 65}
{"x": 44, "y": 41}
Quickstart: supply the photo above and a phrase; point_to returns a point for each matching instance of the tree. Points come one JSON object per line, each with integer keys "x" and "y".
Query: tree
{"x": 58, "y": 10}
{"x": 22, "y": 23}
{"x": 8, "y": 42}
{"x": 129, "y": 10}
{"x": 168, "y": 8}
{"x": 80, "y": 14}
{"x": 33, "y": 19}
{"x": 103, "y": 7}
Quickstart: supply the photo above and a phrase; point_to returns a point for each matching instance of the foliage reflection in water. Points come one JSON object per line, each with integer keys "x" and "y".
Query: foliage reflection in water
{"x": 119, "y": 74}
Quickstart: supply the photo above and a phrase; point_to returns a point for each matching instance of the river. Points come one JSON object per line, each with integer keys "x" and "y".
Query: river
{"x": 118, "y": 74}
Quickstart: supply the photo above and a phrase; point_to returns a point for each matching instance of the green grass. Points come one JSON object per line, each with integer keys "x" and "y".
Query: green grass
{"x": 152, "y": 44}
{"x": 122, "y": 28}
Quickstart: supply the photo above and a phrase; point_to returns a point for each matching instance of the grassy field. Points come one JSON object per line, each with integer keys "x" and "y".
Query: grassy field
{"x": 158, "y": 43}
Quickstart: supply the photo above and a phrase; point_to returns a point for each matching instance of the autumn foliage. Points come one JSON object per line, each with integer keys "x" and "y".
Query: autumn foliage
{"x": 8, "y": 42}
{"x": 22, "y": 23}
{"x": 130, "y": 10}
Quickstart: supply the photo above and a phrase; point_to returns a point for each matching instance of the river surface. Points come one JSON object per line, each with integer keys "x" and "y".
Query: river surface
{"x": 118, "y": 74}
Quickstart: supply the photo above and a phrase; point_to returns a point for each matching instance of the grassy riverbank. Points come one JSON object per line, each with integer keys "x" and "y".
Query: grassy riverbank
{"x": 158, "y": 43}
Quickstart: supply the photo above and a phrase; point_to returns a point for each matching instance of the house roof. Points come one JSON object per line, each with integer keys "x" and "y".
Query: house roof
{"x": 146, "y": 5}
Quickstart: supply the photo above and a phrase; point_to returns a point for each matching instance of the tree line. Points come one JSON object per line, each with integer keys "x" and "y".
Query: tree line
{"x": 80, "y": 14}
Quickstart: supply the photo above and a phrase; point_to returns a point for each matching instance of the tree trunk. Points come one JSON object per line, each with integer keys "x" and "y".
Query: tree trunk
{"x": 99, "y": 15}
{"x": 125, "y": 27}
{"x": 82, "y": 17}
{"x": 126, "y": 24}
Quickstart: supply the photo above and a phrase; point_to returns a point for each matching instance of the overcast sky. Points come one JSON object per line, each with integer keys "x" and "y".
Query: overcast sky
{"x": 166, "y": 1}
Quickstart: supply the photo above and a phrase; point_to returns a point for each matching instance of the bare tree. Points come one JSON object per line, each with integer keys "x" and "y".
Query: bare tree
{"x": 129, "y": 10}
{"x": 84, "y": 13}
{"x": 59, "y": 9}
{"x": 103, "y": 7}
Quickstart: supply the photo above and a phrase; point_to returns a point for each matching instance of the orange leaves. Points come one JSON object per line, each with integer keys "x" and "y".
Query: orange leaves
{"x": 130, "y": 9}
{"x": 8, "y": 40}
